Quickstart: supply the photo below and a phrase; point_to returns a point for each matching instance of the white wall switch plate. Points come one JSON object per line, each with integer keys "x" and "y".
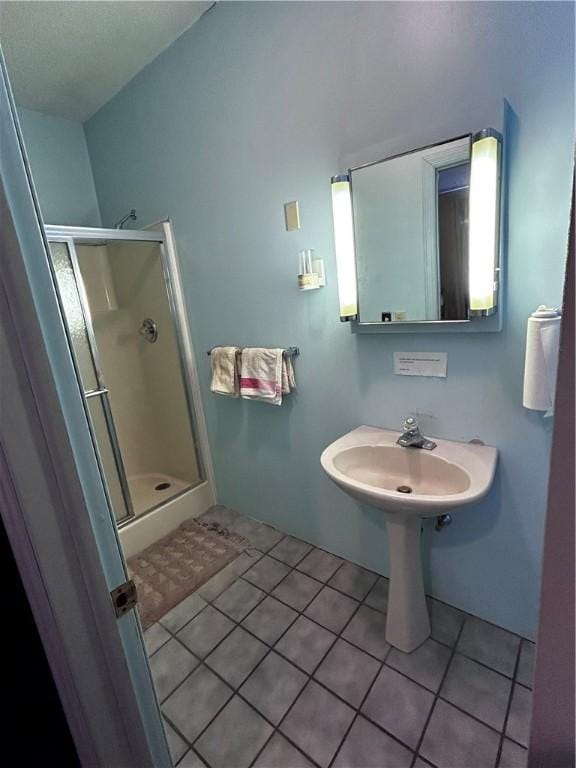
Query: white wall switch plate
{"x": 421, "y": 364}
{"x": 292, "y": 215}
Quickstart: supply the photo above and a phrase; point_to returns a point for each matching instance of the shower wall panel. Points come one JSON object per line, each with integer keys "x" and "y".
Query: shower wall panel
{"x": 117, "y": 337}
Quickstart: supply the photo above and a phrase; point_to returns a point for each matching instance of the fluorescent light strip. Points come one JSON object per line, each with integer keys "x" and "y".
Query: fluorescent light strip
{"x": 344, "y": 241}
{"x": 484, "y": 221}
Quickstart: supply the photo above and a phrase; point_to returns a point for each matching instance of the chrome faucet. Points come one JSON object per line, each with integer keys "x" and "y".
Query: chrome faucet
{"x": 412, "y": 437}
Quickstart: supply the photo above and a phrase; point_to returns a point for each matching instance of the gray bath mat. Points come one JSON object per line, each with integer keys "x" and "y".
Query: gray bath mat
{"x": 179, "y": 564}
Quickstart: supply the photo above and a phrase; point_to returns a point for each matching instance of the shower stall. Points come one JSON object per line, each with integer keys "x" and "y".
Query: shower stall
{"x": 122, "y": 305}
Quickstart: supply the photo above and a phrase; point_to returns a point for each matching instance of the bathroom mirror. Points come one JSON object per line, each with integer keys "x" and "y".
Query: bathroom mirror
{"x": 423, "y": 234}
{"x": 411, "y": 231}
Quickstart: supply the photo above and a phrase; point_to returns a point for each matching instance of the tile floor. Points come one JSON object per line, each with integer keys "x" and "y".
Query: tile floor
{"x": 279, "y": 661}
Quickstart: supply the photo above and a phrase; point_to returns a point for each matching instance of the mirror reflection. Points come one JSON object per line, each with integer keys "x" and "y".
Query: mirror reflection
{"x": 411, "y": 232}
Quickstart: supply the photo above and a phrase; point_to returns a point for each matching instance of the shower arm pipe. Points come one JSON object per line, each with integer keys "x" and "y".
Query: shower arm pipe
{"x": 289, "y": 352}
{"x": 130, "y": 215}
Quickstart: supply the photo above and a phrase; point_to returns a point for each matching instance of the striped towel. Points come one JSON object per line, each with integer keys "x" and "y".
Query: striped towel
{"x": 265, "y": 375}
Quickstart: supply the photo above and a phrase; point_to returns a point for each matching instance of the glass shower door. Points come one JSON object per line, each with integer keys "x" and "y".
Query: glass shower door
{"x": 127, "y": 296}
{"x": 78, "y": 321}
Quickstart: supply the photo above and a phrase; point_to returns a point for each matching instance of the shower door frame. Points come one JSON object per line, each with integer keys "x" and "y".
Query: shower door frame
{"x": 101, "y": 390}
{"x": 165, "y": 239}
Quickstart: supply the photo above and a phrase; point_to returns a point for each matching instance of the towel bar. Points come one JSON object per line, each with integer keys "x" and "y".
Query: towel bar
{"x": 290, "y": 352}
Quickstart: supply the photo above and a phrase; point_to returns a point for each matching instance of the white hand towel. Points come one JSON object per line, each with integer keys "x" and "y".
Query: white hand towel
{"x": 261, "y": 375}
{"x": 225, "y": 380}
{"x": 288, "y": 378}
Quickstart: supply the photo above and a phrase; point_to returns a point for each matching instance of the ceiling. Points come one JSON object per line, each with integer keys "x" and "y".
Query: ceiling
{"x": 69, "y": 58}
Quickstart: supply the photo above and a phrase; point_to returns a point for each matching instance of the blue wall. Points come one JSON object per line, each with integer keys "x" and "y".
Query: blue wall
{"x": 261, "y": 103}
{"x": 61, "y": 167}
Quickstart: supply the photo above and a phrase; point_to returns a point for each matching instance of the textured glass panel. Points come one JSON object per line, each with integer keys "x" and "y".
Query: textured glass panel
{"x": 107, "y": 460}
{"x": 73, "y": 312}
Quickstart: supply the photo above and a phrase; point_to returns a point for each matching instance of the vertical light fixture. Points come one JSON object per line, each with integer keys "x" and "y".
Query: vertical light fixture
{"x": 344, "y": 240}
{"x": 484, "y": 221}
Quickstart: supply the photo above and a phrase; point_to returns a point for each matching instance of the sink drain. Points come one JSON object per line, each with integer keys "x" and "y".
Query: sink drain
{"x": 162, "y": 486}
{"x": 404, "y": 489}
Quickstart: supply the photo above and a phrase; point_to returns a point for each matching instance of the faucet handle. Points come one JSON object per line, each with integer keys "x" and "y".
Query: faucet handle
{"x": 410, "y": 424}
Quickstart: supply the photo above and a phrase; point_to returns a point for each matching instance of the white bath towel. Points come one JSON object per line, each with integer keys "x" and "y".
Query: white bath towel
{"x": 288, "y": 378}
{"x": 225, "y": 378}
{"x": 265, "y": 375}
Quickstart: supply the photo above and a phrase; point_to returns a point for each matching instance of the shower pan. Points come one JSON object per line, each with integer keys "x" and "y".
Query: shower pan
{"x": 121, "y": 301}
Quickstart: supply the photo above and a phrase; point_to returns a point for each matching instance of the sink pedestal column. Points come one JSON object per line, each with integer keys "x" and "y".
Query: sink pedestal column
{"x": 407, "y": 623}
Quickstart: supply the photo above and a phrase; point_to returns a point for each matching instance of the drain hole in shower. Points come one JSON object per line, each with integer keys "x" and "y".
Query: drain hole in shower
{"x": 162, "y": 486}
{"x": 404, "y": 489}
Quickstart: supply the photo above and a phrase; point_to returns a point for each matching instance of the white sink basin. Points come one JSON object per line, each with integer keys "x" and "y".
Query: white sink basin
{"x": 408, "y": 484}
{"x": 369, "y": 465}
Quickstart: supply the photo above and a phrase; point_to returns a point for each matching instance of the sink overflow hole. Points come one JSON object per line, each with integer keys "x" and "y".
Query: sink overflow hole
{"x": 162, "y": 486}
{"x": 404, "y": 489}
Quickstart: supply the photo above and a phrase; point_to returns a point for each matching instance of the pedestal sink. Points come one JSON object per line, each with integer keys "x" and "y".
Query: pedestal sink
{"x": 408, "y": 484}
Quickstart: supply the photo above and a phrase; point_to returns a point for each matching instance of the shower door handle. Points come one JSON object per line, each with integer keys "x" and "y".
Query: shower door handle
{"x": 96, "y": 392}
{"x": 102, "y": 394}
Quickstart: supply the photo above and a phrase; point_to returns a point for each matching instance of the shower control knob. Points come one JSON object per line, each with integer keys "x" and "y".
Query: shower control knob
{"x": 149, "y": 330}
